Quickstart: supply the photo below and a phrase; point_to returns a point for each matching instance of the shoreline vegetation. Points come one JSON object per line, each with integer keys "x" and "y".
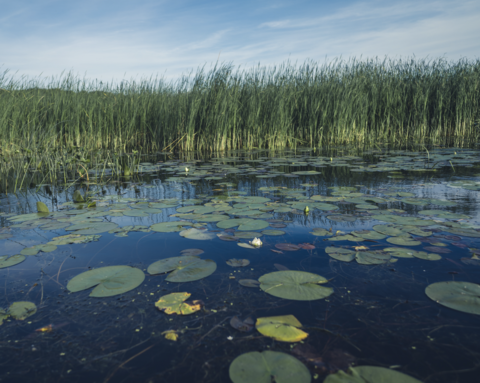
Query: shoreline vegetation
{"x": 312, "y": 104}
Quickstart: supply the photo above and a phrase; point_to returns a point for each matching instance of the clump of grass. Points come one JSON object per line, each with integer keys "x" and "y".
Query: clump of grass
{"x": 265, "y": 107}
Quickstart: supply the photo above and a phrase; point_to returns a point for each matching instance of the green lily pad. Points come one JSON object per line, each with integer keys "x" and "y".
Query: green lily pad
{"x": 403, "y": 241}
{"x": 464, "y": 232}
{"x": 73, "y": 239}
{"x": 22, "y": 310}
{"x": 169, "y": 227}
{"x": 388, "y": 230}
{"x": 399, "y": 252}
{"x": 460, "y": 296}
{"x": 340, "y": 253}
{"x": 295, "y": 285}
{"x": 238, "y": 262}
{"x": 196, "y": 209}
{"x": 368, "y": 234}
{"x": 77, "y": 196}
{"x": 42, "y": 208}
{"x": 426, "y": 256}
{"x": 186, "y": 268}
{"x": 210, "y": 217}
{"x": 174, "y": 303}
{"x": 47, "y": 248}
{"x": 283, "y": 328}
{"x": 92, "y": 228}
{"x": 244, "y": 224}
{"x": 371, "y": 258}
{"x": 246, "y": 234}
{"x": 201, "y": 235}
{"x": 246, "y": 245}
{"x": 134, "y": 213}
{"x": 109, "y": 281}
{"x": 320, "y": 232}
{"x": 263, "y": 367}
{"x": 6, "y": 261}
{"x": 370, "y": 374}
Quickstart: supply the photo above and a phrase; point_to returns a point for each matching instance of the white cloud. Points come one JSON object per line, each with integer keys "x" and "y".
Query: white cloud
{"x": 148, "y": 41}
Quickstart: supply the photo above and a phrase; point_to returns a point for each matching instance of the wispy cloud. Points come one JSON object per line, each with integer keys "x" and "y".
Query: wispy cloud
{"x": 119, "y": 40}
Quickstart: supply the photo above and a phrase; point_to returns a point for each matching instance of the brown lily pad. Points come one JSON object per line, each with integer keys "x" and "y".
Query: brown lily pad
{"x": 287, "y": 246}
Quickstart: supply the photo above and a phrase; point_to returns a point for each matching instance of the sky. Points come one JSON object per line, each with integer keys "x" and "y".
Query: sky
{"x": 113, "y": 40}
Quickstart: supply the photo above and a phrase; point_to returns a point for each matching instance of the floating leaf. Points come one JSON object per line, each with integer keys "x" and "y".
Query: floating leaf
{"x": 47, "y": 248}
{"x": 73, "y": 239}
{"x": 370, "y": 374}
{"x": 306, "y": 246}
{"x": 266, "y": 366}
{"x": 246, "y": 246}
{"x": 169, "y": 227}
{"x": 319, "y": 232}
{"x": 21, "y": 310}
{"x": 283, "y": 328}
{"x": 403, "y": 241}
{"x": 371, "y": 258}
{"x": 7, "y": 261}
{"x": 174, "y": 303}
{"x": 460, "y": 296}
{"x": 249, "y": 282}
{"x": 238, "y": 262}
{"x": 77, "y": 196}
{"x": 170, "y": 335}
{"x": 287, "y": 246}
{"x": 109, "y": 281}
{"x": 42, "y": 208}
{"x": 340, "y": 254}
{"x": 295, "y": 285}
{"x": 280, "y": 267}
{"x": 201, "y": 235}
{"x": 246, "y": 234}
{"x": 437, "y": 249}
{"x": 244, "y": 224}
{"x": 244, "y": 326}
{"x": 185, "y": 268}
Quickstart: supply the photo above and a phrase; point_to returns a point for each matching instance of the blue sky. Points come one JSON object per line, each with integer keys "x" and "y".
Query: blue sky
{"x": 107, "y": 39}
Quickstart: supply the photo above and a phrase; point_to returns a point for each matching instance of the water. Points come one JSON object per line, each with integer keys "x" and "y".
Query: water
{"x": 378, "y": 314}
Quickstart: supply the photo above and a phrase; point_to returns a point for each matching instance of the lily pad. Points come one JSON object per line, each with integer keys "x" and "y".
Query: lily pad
{"x": 169, "y": 227}
{"x": 238, "y": 262}
{"x": 109, "y": 281}
{"x": 287, "y": 246}
{"x": 320, "y": 232}
{"x": 460, "y": 296}
{"x": 340, "y": 254}
{"x": 403, "y": 241}
{"x": 242, "y": 325}
{"x": 283, "y": 328}
{"x": 263, "y": 367}
{"x": 47, "y": 248}
{"x": 22, "y": 310}
{"x": 201, "y": 235}
{"x": 174, "y": 303}
{"x": 244, "y": 224}
{"x": 42, "y": 208}
{"x": 73, "y": 239}
{"x": 371, "y": 258}
{"x": 186, "y": 268}
{"x": 6, "y": 261}
{"x": 370, "y": 374}
{"x": 295, "y": 285}
{"x": 246, "y": 245}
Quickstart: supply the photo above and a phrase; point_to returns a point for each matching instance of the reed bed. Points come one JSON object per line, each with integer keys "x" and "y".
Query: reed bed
{"x": 290, "y": 105}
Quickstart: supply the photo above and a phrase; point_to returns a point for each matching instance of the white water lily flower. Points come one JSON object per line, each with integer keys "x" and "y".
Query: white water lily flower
{"x": 256, "y": 242}
{"x": 186, "y": 169}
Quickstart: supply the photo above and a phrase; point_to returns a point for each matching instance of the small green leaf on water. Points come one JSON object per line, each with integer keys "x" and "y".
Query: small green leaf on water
{"x": 295, "y": 285}
{"x": 185, "y": 268}
{"x": 193, "y": 233}
{"x": 109, "y": 281}
{"x": 266, "y": 366}
{"x": 175, "y": 304}
{"x": 42, "y": 208}
{"x": 238, "y": 262}
{"x": 283, "y": 328}
{"x": 7, "y": 261}
{"x": 249, "y": 282}
{"x": 77, "y": 196}
{"x": 370, "y": 374}
{"x": 460, "y": 296}
{"x": 21, "y": 310}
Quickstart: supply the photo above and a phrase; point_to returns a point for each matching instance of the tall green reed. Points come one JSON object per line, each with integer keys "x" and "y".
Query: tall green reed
{"x": 311, "y": 104}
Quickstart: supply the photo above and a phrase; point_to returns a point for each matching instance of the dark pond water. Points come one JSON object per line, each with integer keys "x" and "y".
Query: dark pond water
{"x": 381, "y": 226}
